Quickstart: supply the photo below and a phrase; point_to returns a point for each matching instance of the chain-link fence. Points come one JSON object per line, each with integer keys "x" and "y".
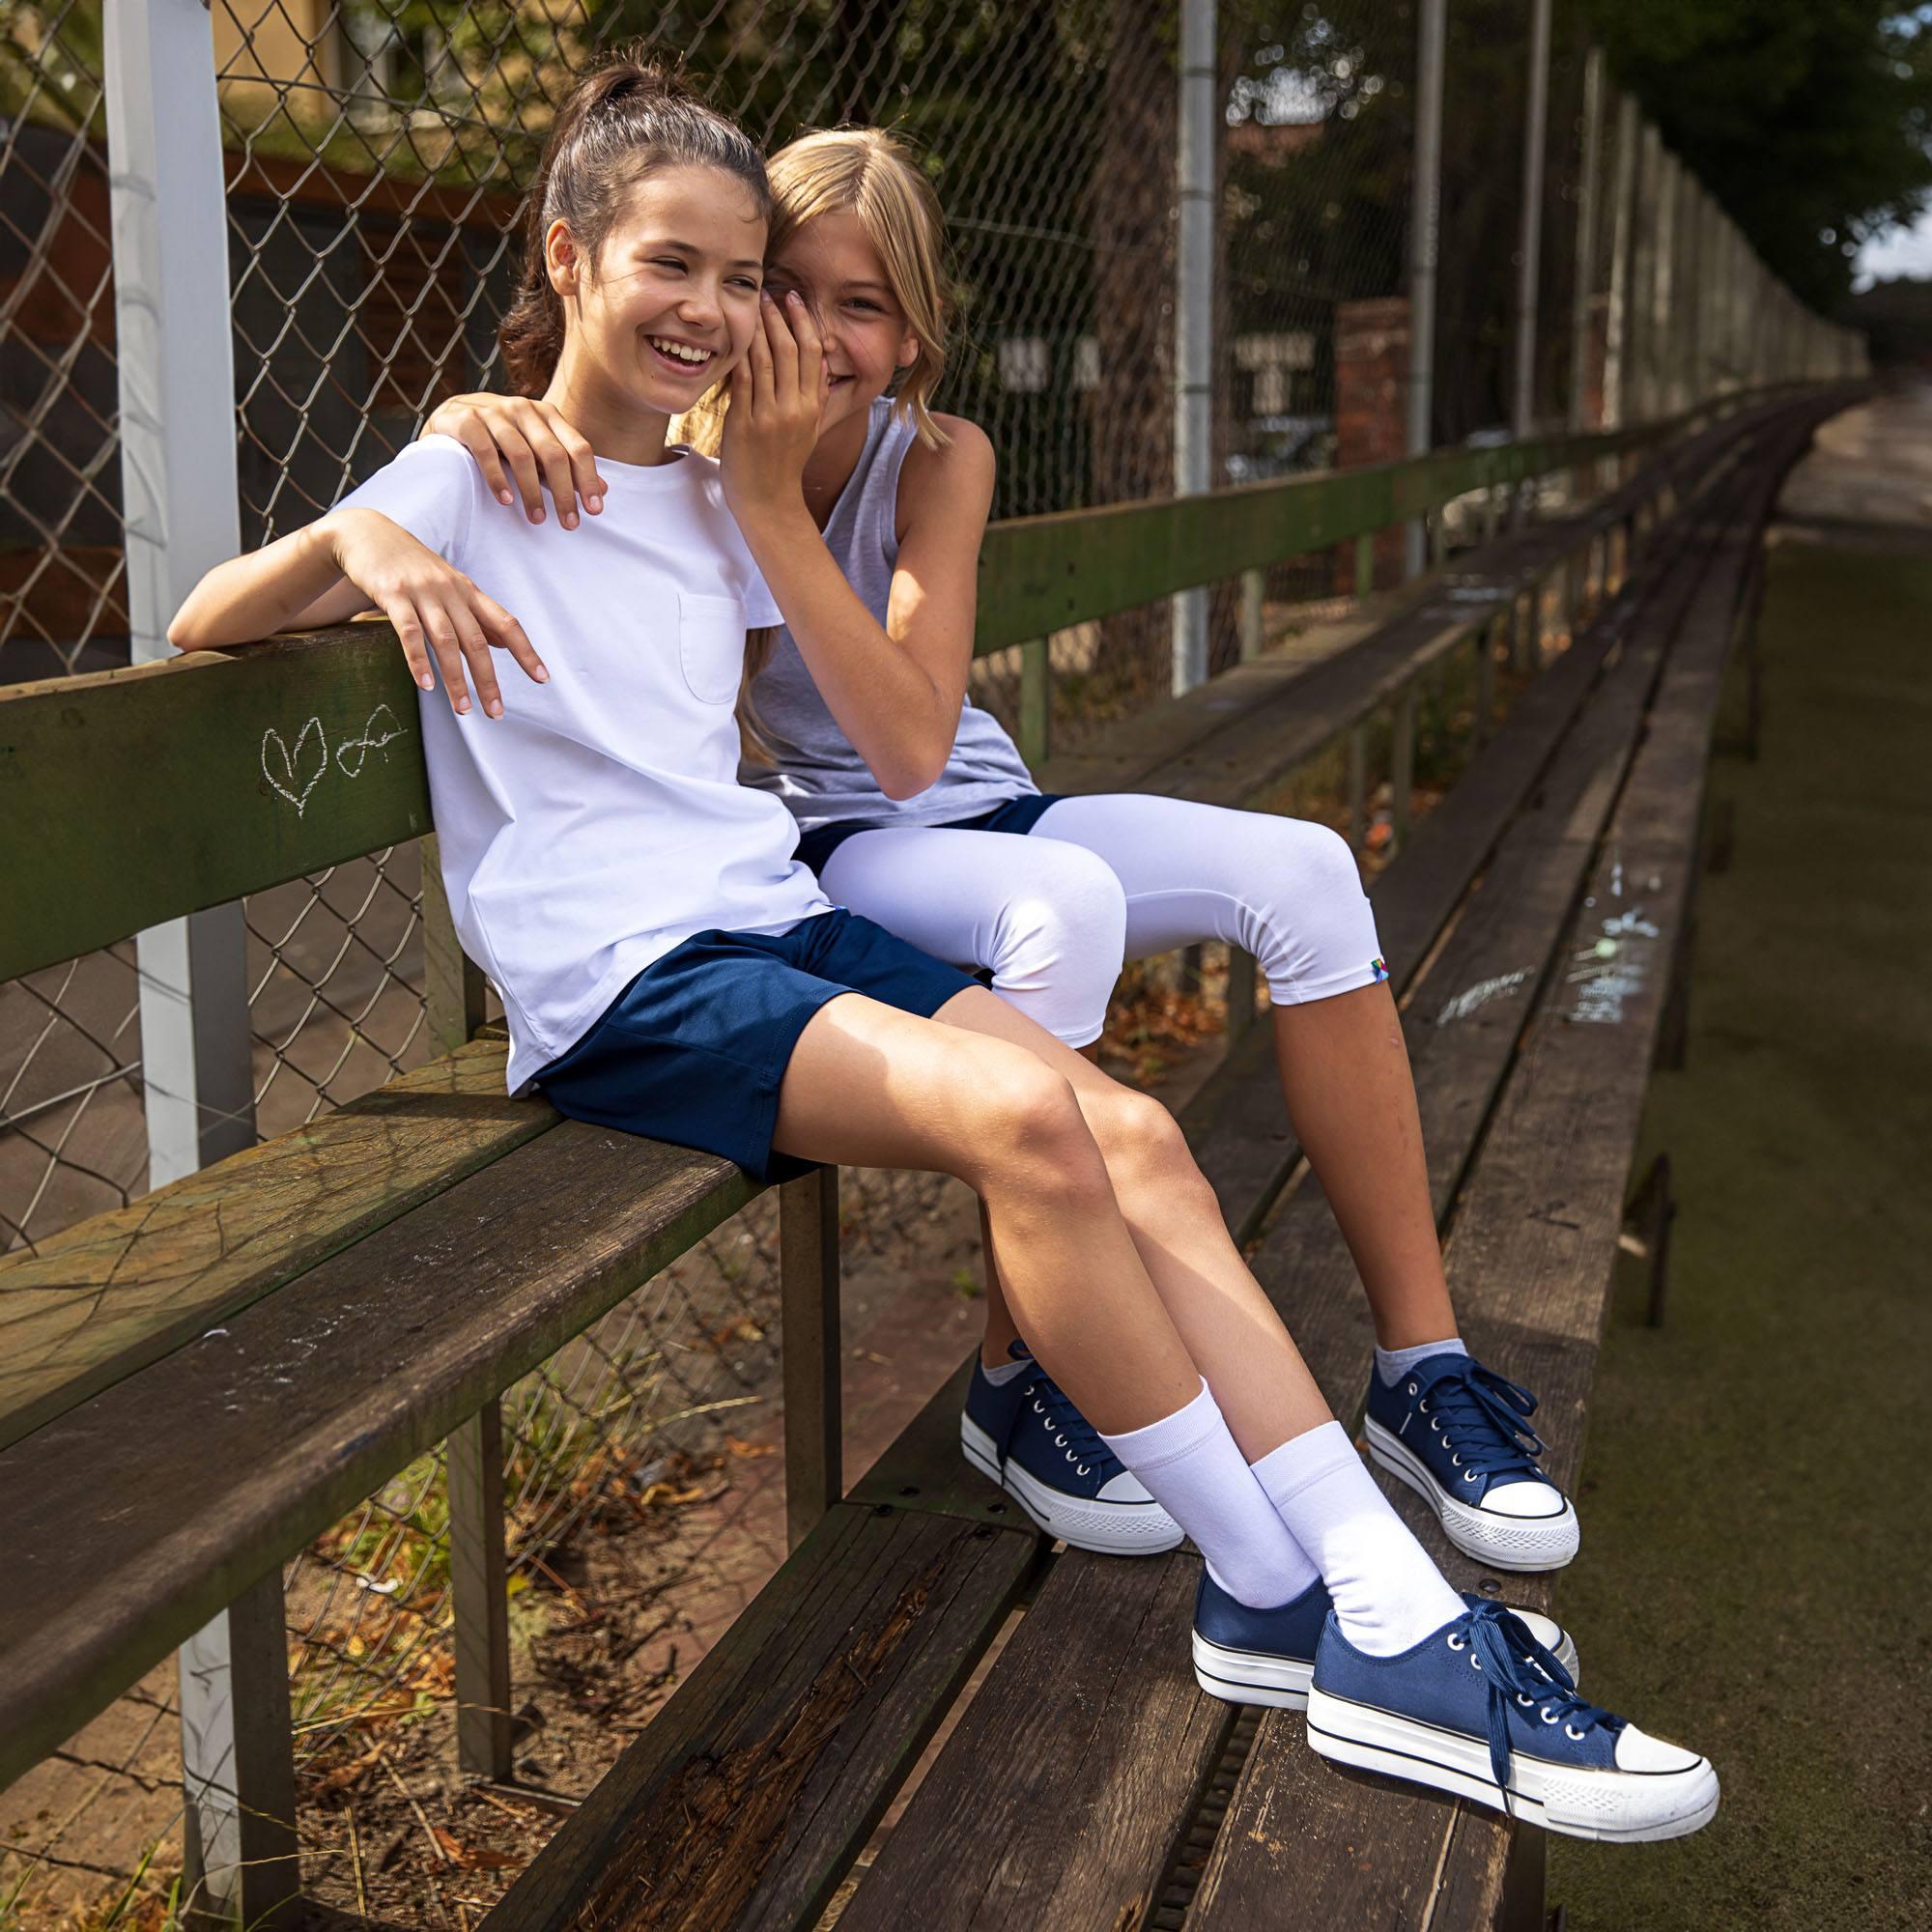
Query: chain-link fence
{"x": 376, "y": 153}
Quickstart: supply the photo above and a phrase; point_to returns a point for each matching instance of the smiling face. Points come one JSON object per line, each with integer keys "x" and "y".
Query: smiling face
{"x": 831, "y": 263}
{"x": 668, "y": 307}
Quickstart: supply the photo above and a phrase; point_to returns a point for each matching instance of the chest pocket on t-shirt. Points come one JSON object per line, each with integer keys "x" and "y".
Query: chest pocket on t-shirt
{"x": 711, "y": 645}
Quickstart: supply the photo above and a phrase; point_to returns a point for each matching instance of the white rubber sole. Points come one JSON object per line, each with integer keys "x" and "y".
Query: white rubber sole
{"x": 1251, "y": 1677}
{"x": 1108, "y": 1529}
{"x": 1254, "y": 1677}
{"x": 1621, "y": 1807}
{"x": 1510, "y": 1542}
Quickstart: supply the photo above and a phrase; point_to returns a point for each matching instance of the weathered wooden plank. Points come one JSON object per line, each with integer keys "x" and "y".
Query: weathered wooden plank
{"x": 1117, "y": 1744}
{"x": 1040, "y": 574}
{"x": 742, "y": 1805}
{"x": 1122, "y": 756}
{"x": 923, "y": 1469}
{"x": 199, "y": 1473}
{"x": 1529, "y": 1261}
{"x": 1236, "y": 1125}
{"x": 1074, "y": 1825}
{"x": 164, "y": 789}
{"x": 308, "y": 751}
{"x": 102, "y": 1300}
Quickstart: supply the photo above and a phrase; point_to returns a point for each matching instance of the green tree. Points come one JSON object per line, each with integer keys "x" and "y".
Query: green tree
{"x": 1807, "y": 119}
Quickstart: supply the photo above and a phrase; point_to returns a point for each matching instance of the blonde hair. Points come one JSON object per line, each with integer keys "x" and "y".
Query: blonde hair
{"x": 873, "y": 173}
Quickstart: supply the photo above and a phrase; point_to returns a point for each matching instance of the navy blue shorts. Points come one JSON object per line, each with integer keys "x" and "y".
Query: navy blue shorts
{"x": 1014, "y": 814}
{"x": 694, "y": 1050}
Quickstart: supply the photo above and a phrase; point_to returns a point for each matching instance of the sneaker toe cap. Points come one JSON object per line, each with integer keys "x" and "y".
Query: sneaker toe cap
{"x": 1525, "y": 1502}
{"x": 1546, "y": 1631}
{"x": 1639, "y": 1750}
{"x": 1125, "y": 1487}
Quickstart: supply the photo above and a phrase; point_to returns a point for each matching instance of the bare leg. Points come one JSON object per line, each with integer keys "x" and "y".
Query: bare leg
{"x": 1001, "y": 1331}
{"x": 1344, "y": 1072}
{"x": 1228, "y": 1325}
{"x": 870, "y": 1086}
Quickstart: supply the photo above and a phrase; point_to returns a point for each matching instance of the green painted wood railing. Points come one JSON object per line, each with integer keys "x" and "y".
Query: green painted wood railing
{"x": 128, "y": 797}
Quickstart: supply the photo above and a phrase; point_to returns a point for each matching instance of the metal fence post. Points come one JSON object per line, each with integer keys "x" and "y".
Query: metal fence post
{"x": 1662, "y": 333}
{"x": 1582, "y": 305}
{"x": 1196, "y": 127}
{"x": 239, "y": 1860}
{"x": 1616, "y": 319}
{"x": 809, "y": 1351}
{"x": 182, "y": 511}
{"x": 1643, "y": 279}
{"x": 1529, "y": 241}
{"x": 180, "y": 505}
{"x": 1425, "y": 225}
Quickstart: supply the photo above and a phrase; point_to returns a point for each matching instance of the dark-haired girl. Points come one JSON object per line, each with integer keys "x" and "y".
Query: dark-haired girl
{"x": 666, "y": 968}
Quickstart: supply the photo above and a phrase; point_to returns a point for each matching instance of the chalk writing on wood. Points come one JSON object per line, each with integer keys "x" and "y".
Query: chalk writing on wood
{"x": 295, "y": 774}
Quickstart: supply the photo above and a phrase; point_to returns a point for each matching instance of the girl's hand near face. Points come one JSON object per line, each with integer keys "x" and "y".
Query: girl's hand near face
{"x": 522, "y": 446}
{"x": 436, "y": 610}
{"x": 778, "y": 393}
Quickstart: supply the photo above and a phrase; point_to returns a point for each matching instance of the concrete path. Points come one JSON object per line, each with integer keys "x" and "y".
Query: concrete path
{"x": 1757, "y": 1573}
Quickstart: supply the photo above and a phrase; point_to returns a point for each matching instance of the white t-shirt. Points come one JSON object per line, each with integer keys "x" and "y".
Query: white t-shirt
{"x": 599, "y": 822}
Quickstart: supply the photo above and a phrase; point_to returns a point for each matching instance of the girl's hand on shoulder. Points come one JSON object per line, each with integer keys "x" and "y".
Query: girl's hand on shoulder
{"x": 521, "y": 445}
{"x": 439, "y": 612}
{"x": 778, "y": 393}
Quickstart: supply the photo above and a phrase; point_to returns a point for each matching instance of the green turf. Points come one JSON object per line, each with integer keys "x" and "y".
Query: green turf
{"x": 1756, "y": 1564}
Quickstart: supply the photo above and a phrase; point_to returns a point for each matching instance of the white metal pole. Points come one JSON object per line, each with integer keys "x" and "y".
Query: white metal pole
{"x": 1194, "y": 312}
{"x": 180, "y": 503}
{"x": 1663, "y": 334}
{"x": 1616, "y": 322}
{"x": 1582, "y": 306}
{"x": 1424, "y": 232}
{"x": 1529, "y": 241}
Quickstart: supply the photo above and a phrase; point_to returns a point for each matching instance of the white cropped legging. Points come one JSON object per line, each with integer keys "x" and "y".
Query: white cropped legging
{"x": 1052, "y": 913}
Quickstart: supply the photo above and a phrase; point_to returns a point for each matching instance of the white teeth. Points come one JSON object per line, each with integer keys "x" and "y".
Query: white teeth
{"x": 681, "y": 351}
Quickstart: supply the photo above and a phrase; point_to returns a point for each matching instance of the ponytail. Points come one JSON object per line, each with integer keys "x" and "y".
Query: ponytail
{"x": 620, "y": 123}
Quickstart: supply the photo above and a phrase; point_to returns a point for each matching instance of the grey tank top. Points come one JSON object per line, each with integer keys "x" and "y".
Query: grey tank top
{"x": 820, "y": 776}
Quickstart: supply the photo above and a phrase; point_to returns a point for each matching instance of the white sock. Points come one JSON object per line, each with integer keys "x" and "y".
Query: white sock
{"x": 1392, "y": 1364}
{"x": 1388, "y": 1595}
{"x": 1194, "y": 1469}
{"x": 1005, "y": 1372}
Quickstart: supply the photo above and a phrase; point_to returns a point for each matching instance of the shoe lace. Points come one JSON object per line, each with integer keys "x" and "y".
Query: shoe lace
{"x": 1486, "y": 1414}
{"x": 1518, "y": 1670}
{"x": 1070, "y": 1429}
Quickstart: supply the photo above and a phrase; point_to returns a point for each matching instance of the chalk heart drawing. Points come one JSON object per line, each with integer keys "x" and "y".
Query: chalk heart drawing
{"x": 382, "y": 730}
{"x": 295, "y": 775}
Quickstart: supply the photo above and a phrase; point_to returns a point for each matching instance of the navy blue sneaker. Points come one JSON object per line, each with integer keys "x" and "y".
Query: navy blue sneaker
{"x": 1484, "y": 1709}
{"x": 1458, "y": 1434}
{"x": 1245, "y": 1656}
{"x": 1027, "y": 1436}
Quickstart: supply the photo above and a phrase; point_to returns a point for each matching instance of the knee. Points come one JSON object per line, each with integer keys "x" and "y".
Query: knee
{"x": 1314, "y": 921}
{"x": 1315, "y": 863}
{"x": 1028, "y": 1123}
{"x": 1069, "y": 908}
{"x": 1143, "y": 1144}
